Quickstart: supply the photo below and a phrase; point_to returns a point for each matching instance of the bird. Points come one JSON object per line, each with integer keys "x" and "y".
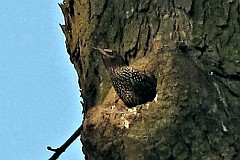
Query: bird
{"x": 133, "y": 86}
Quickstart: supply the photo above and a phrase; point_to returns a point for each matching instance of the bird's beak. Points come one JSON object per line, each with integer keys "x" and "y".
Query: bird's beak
{"x": 103, "y": 51}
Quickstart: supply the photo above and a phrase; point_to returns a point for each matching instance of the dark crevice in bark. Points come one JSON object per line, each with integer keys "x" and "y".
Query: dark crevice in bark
{"x": 221, "y": 78}
{"x": 192, "y": 9}
{"x": 231, "y": 77}
{"x": 148, "y": 37}
{"x": 205, "y": 14}
{"x": 75, "y": 55}
{"x": 230, "y": 36}
{"x": 143, "y": 6}
{"x": 120, "y": 31}
{"x": 90, "y": 11}
{"x": 103, "y": 10}
{"x": 71, "y": 8}
{"x": 105, "y": 4}
{"x": 238, "y": 13}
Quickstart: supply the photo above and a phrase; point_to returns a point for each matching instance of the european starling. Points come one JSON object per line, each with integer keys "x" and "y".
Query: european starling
{"x": 133, "y": 86}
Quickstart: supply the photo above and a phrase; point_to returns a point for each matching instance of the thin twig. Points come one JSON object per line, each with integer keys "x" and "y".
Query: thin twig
{"x": 61, "y": 149}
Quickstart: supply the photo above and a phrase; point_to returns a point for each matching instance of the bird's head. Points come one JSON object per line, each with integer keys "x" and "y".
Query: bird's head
{"x": 111, "y": 58}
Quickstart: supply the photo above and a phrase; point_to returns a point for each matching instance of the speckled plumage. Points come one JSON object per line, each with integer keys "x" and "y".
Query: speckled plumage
{"x": 133, "y": 86}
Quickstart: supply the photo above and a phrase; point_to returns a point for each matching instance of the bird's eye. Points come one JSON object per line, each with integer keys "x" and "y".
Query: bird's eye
{"x": 110, "y": 53}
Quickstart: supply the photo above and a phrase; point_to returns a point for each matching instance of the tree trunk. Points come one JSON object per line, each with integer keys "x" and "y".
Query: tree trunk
{"x": 190, "y": 46}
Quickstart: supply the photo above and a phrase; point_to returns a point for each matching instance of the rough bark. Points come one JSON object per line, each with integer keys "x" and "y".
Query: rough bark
{"x": 192, "y": 48}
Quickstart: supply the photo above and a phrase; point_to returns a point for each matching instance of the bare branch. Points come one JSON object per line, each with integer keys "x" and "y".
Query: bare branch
{"x": 61, "y": 149}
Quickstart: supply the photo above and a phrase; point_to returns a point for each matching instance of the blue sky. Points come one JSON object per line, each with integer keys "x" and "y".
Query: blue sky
{"x": 39, "y": 94}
